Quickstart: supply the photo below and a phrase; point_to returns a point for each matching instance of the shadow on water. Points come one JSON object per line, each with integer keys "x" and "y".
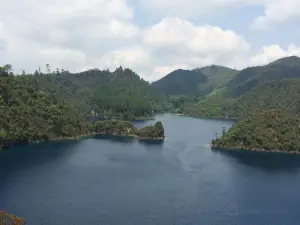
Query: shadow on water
{"x": 22, "y": 158}
{"x": 152, "y": 145}
{"x": 267, "y": 161}
{"x": 112, "y": 138}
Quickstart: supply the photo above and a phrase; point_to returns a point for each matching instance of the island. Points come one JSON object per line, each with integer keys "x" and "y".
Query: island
{"x": 263, "y": 130}
{"x": 127, "y": 129}
{"x": 7, "y": 219}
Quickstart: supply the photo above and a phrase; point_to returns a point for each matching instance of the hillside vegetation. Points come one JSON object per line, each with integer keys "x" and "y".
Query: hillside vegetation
{"x": 122, "y": 93}
{"x": 264, "y": 130}
{"x": 251, "y": 77}
{"x": 217, "y": 76}
{"x": 197, "y": 82}
{"x": 40, "y": 107}
{"x": 124, "y": 128}
{"x": 31, "y": 115}
{"x": 180, "y": 82}
{"x": 274, "y": 86}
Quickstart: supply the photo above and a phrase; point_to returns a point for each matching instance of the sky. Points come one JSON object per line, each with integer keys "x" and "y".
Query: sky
{"x": 152, "y": 37}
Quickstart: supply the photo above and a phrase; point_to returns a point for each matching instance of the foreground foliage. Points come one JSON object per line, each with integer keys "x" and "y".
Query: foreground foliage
{"x": 7, "y": 219}
{"x": 270, "y": 130}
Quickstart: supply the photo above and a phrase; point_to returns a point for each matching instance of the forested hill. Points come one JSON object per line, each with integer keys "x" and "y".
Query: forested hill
{"x": 30, "y": 115}
{"x": 197, "y": 82}
{"x": 53, "y": 106}
{"x": 264, "y": 130}
{"x": 250, "y": 77}
{"x": 121, "y": 93}
{"x": 217, "y": 76}
{"x": 180, "y": 82}
{"x": 274, "y": 86}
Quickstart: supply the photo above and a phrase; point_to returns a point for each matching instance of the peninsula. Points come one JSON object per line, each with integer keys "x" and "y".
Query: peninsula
{"x": 125, "y": 128}
{"x": 263, "y": 130}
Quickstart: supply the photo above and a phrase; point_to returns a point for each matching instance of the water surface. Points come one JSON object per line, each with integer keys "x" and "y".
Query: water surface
{"x": 126, "y": 182}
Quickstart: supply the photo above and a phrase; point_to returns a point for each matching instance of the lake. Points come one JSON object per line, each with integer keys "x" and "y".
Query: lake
{"x": 116, "y": 181}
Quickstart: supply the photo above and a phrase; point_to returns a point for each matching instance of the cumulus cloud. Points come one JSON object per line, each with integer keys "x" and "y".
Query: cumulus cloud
{"x": 134, "y": 57}
{"x": 278, "y": 12}
{"x": 272, "y": 53}
{"x": 174, "y": 41}
{"x": 79, "y": 34}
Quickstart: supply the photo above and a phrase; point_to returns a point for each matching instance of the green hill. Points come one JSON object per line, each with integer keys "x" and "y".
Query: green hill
{"x": 29, "y": 115}
{"x": 264, "y": 130}
{"x": 274, "y": 86}
{"x": 180, "y": 82}
{"x": 218, "y": 76}
{"x": 121, "y": 93}
{"x": 196, "y": 82}
{"x": 250, "y": 77}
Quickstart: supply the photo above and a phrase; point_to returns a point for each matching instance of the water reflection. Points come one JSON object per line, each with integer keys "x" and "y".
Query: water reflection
{"x": 34, "y": 155}
{"x": 270, "y": 162}
{"x": 112, "y": 138}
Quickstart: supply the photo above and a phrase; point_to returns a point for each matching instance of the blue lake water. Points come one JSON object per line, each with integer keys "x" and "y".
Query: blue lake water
{"x": 126, "y": 182}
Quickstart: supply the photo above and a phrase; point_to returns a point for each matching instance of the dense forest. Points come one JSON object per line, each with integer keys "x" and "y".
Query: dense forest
{"x": 38, "y": 107}
{"x": 125, "y": 128}
{"x": 121, "y": 94}
{"x": 196, "y": 82}
{"x": 263, "y": 130}
{"x": 32, "y": 115}
{"x": 274, "y": 85}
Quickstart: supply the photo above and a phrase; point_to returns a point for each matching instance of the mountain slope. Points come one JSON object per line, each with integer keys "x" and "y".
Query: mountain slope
{"x": 180, "y": 82}
{"x": 250, "y": 77}
{"x": 264, "y": 130}
{"x": 121, "y": 93}
{"x": 31, "y": 115}
{"x": 281, "y": 94}
{"x": 218, "y": 76}
{"x": 199, "y": 81}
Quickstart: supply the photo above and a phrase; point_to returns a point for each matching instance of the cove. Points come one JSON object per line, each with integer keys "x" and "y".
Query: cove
{"x": 129, "y": 182}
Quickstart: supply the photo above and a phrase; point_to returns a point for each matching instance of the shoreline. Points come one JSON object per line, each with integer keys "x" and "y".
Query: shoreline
{"x": 79, "y": 137}
{"x": 253, "y": 150}
{"x": 208, "y": 117}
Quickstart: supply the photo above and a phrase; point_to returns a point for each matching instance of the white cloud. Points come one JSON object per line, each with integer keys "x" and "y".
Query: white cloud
{"x": 63, "y": 57}
{"x": 132, "y": 57}
{"x": 161, "y": 71}
{"x": 78, "y": 34}
{"x": 272, "y": 53}
{"x": 278, "y": 12}
{"x": 174, "y": 41}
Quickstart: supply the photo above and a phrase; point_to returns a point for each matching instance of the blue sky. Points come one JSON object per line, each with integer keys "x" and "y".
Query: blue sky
{"x": 153, "y": 37}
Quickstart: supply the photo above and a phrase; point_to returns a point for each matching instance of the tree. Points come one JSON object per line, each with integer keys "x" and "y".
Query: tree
{"x": 48, "y": 68}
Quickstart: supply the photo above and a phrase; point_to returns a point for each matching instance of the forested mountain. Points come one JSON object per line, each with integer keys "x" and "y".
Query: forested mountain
{"x": 274, "y": 86}
{"x": 53, "y": 106}
{"x": 31, "y": 115}
{"x": 197, "y": 82}
{"x": 250, "y": 77}
{"x": 217, "y": 76}
{"x": 121, "y": 93}
{"x": 180, "y": 82}
{"x": 271, "y": 130}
